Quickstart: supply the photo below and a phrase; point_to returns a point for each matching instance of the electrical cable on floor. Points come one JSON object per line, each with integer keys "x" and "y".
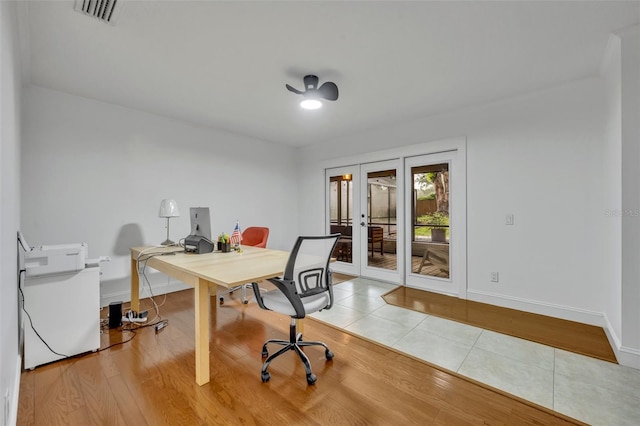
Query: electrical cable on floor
{"x": 152, "y": 296}
{"x": 158, "y": 322}
{"x": 142, "y": 272}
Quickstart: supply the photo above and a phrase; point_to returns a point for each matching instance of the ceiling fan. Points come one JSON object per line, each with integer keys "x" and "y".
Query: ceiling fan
{"x": 313, "y": 94}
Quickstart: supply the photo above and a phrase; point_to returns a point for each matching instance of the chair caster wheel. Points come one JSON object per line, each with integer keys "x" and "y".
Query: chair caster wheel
{"x": 311, "y": 378}
{"x": 266, "y": 376}
{"x": 222, "y": 300}
{"x": 246, "y": 302}
{"x": 328, "y": 354}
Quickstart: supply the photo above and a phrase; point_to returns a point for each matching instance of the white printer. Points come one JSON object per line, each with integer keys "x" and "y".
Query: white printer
{"x": 55, "y": 259}
{"x": 61, "y": 294}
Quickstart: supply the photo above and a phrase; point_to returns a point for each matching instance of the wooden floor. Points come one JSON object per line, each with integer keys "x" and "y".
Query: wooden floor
{"x": 150, "y": 381}
{"x": 568, "y": 335}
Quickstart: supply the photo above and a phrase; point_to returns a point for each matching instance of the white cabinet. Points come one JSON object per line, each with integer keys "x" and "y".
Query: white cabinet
{"x": 65, "y": 311}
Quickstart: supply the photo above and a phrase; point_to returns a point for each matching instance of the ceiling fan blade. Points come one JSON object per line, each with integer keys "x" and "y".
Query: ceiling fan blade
{"x": 294, "y": 90}
{"x": 328, "y": 91}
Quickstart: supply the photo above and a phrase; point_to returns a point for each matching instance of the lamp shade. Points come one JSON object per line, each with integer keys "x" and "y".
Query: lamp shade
{"x": 169, "y": 208}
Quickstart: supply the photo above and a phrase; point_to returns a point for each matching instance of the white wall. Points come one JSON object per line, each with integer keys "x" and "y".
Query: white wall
{"x": 537, "y": 156}
{"x": 10, "y": 93}
{"x": 612, "y": 196}
{"x": 621, "y": 73}
{"x": 630, "y": 136}
{"x": 96, "y": 173}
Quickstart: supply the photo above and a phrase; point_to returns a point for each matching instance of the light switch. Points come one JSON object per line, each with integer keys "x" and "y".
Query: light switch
{"x": 509, "y": 219}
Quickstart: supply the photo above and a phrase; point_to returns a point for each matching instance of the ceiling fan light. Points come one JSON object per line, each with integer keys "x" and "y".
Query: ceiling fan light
{"x": 311, "y": 104}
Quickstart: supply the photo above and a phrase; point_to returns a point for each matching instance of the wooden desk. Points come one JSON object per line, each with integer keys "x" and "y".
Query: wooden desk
{"x": 201, "y": 271}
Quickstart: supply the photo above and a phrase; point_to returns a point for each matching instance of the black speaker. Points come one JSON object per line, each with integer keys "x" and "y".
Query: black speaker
{"x": 115, "y": 314}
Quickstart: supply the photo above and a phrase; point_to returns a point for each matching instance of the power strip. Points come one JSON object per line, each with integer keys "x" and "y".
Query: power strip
{"x": 126, "y": 319}
{"x": 132, "y": 316}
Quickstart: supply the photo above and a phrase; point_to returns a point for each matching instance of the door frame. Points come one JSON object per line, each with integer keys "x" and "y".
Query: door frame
{"x": 458, "y": 144}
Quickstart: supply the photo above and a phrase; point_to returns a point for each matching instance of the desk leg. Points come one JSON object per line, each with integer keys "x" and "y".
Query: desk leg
{"x": 135, "y": 286}
{"x": 202, "y": 331}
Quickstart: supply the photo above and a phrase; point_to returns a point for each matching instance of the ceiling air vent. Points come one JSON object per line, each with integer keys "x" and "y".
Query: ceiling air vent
{"x": 103, "y": 10}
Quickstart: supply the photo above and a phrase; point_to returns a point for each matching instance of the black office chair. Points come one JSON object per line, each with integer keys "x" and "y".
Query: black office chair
{"x": 304, "y": 289}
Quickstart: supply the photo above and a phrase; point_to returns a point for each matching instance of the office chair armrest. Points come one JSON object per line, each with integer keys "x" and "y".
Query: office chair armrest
{"x": 288, "y": 288}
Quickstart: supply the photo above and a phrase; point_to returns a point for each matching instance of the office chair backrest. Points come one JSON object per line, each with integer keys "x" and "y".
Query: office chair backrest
{"x": 308, "y": 264}
{"x": 255, "y": 236}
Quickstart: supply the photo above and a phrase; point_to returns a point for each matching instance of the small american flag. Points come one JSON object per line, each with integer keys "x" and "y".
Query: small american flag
{"x": 236, "y": 236}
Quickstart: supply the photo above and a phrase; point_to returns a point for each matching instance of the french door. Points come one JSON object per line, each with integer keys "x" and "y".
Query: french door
{"x": 402, "y": 220}
{"x": 341, "y": 203}
{"x": 436, "y": 219}
{"x": 381, "y": 208}
{"x": 365, "y": 206}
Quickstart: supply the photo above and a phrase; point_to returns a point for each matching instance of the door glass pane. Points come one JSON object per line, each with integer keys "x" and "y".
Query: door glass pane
{"x": 333, "y": 201}
{"x": 341, "y": 212}
{"x": 430, "y": 217}
{"x": 381, "y": 207}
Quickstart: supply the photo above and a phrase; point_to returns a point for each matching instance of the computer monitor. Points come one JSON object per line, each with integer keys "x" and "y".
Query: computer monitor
{"x": 200, "y": 222}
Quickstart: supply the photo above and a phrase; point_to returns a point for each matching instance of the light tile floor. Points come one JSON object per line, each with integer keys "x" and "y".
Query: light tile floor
{"x": 593, "y": 391}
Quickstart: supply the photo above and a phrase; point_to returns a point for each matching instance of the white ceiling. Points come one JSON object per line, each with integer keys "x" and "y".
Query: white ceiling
{"x": 225, "y": 64}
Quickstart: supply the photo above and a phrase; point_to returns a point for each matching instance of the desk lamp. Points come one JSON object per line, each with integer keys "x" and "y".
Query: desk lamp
{"x": 168, "y": 209}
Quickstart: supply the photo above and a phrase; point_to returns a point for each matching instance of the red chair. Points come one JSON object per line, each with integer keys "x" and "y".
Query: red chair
{"x": 255, "y": 236}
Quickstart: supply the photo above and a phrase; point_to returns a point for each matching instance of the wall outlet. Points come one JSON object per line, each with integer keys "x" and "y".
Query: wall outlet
{"x": 494, "y": 277}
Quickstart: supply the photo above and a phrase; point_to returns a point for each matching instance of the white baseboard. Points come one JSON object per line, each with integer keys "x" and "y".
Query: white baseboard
{"x": 157, "y": 289}
{"x": 614, "y": 339}
{"x": 629, "y": 357}
{"x": 536, "y": 307}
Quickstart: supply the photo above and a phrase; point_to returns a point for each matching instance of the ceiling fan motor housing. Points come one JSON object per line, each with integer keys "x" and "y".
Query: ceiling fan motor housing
{"x": 310, "y": 82}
